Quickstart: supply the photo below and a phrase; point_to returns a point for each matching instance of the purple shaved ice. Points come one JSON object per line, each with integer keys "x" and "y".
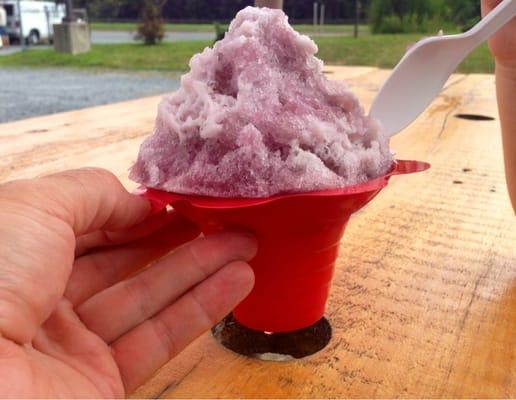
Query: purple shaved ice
{"x": 256, "y": 116}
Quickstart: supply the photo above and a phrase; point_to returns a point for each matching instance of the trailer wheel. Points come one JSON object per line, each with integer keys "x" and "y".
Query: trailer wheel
{"x": 33, "y": 38}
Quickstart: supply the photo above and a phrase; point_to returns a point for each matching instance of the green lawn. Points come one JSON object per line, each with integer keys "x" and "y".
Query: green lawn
{"x": 131, "y": 27}
{"x": 386, "y": 50}
{"x": 164, "y": 57}
{"x": 375, "y": 50}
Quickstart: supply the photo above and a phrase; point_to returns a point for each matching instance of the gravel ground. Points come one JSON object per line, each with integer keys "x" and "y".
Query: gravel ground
{"x": 31, "y": 92}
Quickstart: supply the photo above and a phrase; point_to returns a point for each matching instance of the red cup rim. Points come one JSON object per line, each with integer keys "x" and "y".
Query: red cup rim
{"x": 161, "y": 198}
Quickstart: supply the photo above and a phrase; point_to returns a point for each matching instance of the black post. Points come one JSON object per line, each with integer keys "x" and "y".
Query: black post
{"x": 316, "y": 8}
{"x": 49, "y": 26}
{"x": 357, "y": 17}
{"x": 69, "y": 11}
{"x": 22, "y": 39}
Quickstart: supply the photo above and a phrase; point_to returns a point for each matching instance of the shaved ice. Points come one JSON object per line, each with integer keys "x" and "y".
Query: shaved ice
{"x": 255, "y": 116}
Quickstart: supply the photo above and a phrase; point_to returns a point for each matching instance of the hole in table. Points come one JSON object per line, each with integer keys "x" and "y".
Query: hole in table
{"x": 474, "y": 117}
{"x": 37, "y": 131}
{"x": 284, "y": 346}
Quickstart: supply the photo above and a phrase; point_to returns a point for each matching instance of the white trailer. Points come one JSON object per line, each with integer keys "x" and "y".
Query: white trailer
{"x": 35, "y": 18}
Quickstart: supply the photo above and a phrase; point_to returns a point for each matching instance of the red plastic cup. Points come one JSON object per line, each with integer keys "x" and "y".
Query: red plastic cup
{"x": 298, "y": 240}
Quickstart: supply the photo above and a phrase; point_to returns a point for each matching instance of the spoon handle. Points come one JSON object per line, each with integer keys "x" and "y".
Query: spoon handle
{"x": 493, "y": 21}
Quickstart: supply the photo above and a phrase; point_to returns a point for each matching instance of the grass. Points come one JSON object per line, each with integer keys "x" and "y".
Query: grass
{"x": 131, "y": 56}
{"x": 385, "y": 51}
{"x": 131, "y": 27}
{"x": 375, "y": 50}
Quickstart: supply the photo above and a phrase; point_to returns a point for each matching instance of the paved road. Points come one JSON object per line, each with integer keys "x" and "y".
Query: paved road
{"x": 31, "y": 92}
{"x": 128, "y": 37}
{"x": 104, "y": 37}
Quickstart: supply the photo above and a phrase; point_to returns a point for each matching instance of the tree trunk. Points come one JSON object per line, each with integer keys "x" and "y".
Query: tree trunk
{"x": 269, "y": 3}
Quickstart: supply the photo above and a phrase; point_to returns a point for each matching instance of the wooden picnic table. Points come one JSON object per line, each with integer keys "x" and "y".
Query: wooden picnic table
{"x": 424, "y": 296}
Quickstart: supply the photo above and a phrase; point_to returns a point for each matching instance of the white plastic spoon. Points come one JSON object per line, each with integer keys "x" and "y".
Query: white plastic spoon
{"x": 425, "y": 68}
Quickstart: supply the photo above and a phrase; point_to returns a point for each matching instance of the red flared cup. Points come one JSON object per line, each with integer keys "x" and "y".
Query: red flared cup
{"x": 298, "y": 240}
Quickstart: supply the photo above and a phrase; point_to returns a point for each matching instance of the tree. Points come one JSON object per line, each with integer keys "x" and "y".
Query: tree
{"x": 151, "y": 28}
{"x": 269, "y": 3}
{"x": 220, "y": 10}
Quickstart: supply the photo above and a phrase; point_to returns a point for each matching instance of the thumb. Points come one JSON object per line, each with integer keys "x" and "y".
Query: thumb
{"x": 87, "y": 200}
{"x": 41, "y": 218}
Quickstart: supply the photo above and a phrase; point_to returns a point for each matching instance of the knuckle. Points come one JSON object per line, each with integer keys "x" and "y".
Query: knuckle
{"x": 204, "y": 311}
{"x": 198, "y": 257}
{"x": 83, "y": 176}
{"x": 140, "y": 295}
{"x": 20, "y": 190}
{"x": 102, "y": 174}
{"x": 166, "y": 336}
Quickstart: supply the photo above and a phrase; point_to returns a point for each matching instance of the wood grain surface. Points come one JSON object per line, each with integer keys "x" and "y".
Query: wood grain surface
{"x": 424, "y": 297}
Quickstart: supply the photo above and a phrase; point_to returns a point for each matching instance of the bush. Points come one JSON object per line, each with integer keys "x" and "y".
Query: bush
{"x": 470, "y": 23}
{"x": 465, "y": 13}
{"x": 412, "y": 23}
{"x": 390, "y": 24}
{"x": 376, "y": 13}
{"x": 422, "y": 16}
{"x": 151, "y": 28}
{"x": 220, "y": 31}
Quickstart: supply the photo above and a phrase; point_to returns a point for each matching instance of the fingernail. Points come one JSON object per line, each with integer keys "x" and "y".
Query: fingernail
{"x": 251, "y": 246}
{"x": 139, "y": 191}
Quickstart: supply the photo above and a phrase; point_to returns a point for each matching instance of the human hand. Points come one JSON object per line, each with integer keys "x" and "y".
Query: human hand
{"x": 503, "y": 43}
{"x": 80, "y": 316}
{"x": 503, "y": 47}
